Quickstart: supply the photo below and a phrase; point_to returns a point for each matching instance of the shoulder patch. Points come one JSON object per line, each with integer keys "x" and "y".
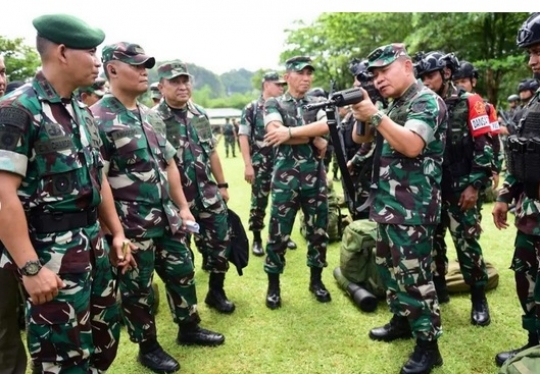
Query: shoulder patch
{"x": 16, "y": 117}
{"x": 419, "y": 106}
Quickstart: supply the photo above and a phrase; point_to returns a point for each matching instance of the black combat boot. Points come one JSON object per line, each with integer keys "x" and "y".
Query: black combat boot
{"x": 192, "y": 334}
{"x": 257, "y": 248}
{"x": 397, "y": 328}
{"x": 317, "y": 287}
{"x": 291, "y": 244}
{"x": 426, "y": 356}
{"x": 273, "y": 295}
{"x": 216, "y": 297}
{"x": 442, "y": 291}
{"x": 500, "y": 358}
{"x": 152, "y": 356}
{"x": 480, "y": 309}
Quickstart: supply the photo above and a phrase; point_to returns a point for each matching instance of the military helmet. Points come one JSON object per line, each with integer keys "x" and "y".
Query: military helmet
{"x": 529, "y": 32}
{"x": 317, "y": 92}
{"x": 465, "y": 70}
{"x": 529, "y": 84}
{"x": 358, "y": 68}
{"x": 429, "y": 62}
{"x": 513, "y": 97}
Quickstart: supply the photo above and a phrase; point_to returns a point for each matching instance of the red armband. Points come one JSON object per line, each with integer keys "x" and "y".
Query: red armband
{"x": 479, "y": 122}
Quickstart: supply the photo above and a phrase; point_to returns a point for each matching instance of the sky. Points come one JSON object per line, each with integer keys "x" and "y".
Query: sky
{"x": 218, "y": 35}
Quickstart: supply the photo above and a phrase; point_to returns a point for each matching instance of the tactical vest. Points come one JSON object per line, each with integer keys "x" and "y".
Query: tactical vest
{"x": 523, "y": 149}
{"x": 459, "y": 148}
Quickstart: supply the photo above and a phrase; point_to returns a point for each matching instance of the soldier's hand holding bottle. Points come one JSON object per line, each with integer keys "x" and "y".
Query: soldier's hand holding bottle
{"x": 186, "y": 216}
{"x": 120, "y": 254}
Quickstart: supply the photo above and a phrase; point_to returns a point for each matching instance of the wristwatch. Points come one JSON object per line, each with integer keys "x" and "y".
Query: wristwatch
{"x": 477, "y": 185}
{"x": 223, "y": 185}
{"x": 375, "y": 119}
{"x": 31, "y": 268}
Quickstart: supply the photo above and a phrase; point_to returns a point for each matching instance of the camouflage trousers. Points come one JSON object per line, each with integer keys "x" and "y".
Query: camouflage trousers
{"x": 525, "y": 266}
{"x": 404, "y": 262}
{"x": 291, "y": 190}
{"x": 78, "y": 331}
{"x": 260, "y": 191}
{"x": 465, "y": 230}
{"x": 213, "y": 240}
{"x": 229, "y": 143}
{"x": 169, "y": 256}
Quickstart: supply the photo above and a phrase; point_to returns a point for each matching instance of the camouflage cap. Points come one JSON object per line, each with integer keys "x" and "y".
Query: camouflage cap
{"x": 68, "y": 30}
{"x": 129, "y": 53}
{"x": 272, "y": 76}
{"x": 98, "y": 88}
{"x": 172, "y": 69}
{"x": 298, "y": 63}
{"x": 385, "y": 55}
{"x": 154, "y": 91}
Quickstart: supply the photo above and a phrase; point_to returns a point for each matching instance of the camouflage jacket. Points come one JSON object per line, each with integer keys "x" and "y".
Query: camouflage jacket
{"x": 53, "y": 144}
{"x": 527, "y": 209}
{"x": 289, "y": 111}
{"x": 136, "y": 155}
{"x": 252, "y": 126}
{"x": 408, "y": 189}
{"x": 190, "y": 133}
{"x": 474, "y": 154}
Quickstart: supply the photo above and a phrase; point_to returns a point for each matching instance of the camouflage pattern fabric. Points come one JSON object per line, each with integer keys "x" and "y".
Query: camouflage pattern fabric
{"x": 298, "y": 181}
{"x": 262, "y": 159}
{"x": 189, "y": 131}
{"x": 136, "y": 154}
{"x": 132, "y": 54}
{"x": 527, "y": 245}
{"x": 475, "y": 155}
{"x": 54, "y": 145}
{"x": 169, "y": 256}
{"x": 407, "y": 208}
{"x": 404, "y": 262}
{"x": 525, "y": 266}
{"x": 408, "y": 191}
{"x": 137, "y": 176}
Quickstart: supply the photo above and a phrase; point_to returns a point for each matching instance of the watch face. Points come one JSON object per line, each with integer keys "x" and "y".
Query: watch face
{"x": 32, "y": 269}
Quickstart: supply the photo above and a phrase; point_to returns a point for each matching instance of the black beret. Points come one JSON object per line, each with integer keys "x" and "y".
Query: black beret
{"x": 69, "y": 30}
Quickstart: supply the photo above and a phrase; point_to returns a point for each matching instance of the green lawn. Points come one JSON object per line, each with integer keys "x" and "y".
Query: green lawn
{"x": 308, "y": 337}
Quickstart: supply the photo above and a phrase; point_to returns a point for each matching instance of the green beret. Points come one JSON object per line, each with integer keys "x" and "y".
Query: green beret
{"x": 68, "y": 30}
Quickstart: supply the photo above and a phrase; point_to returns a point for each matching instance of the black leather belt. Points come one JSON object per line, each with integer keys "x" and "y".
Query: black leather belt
{"x": 49, "y": 222}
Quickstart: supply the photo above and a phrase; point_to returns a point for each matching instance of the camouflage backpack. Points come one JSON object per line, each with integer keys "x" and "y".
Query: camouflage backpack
{"x": 525, "y": 362}
{"x": 357, "y": 256}
{"x": 335, "y": 218}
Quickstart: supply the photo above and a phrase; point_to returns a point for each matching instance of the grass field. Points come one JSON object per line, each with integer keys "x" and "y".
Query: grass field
{"x": 308, "y": 337}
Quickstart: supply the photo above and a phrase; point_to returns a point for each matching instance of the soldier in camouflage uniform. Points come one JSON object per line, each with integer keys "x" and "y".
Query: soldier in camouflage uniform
{"x": 466, "y": 77}
{"x": 91, "y": 94}
{"x": 140, "y": 166}
{"x": 298, "y": 181}
{"x": 155, "y": 94}
{"x": 229, "y": 137}
{"x": 52, "y": 187}
{"x": 406, "y": 200}
{"x": 258, "y": 156}
{"x": 188, "y": 130}
{"x": 526, "y": 193}
{"x": 466, "y": 172}
{"x": 12, "y": 353}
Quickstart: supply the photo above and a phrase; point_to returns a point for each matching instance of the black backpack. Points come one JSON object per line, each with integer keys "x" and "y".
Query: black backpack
{"x": 239, "y": 253}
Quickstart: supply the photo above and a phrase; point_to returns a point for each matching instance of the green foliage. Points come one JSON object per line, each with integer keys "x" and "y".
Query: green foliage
{"x": 485, "y": 39}
{"x": 21, "y": 60}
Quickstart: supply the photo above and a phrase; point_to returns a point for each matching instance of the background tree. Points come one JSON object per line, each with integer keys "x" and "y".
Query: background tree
{"x": 22, "y": 61}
